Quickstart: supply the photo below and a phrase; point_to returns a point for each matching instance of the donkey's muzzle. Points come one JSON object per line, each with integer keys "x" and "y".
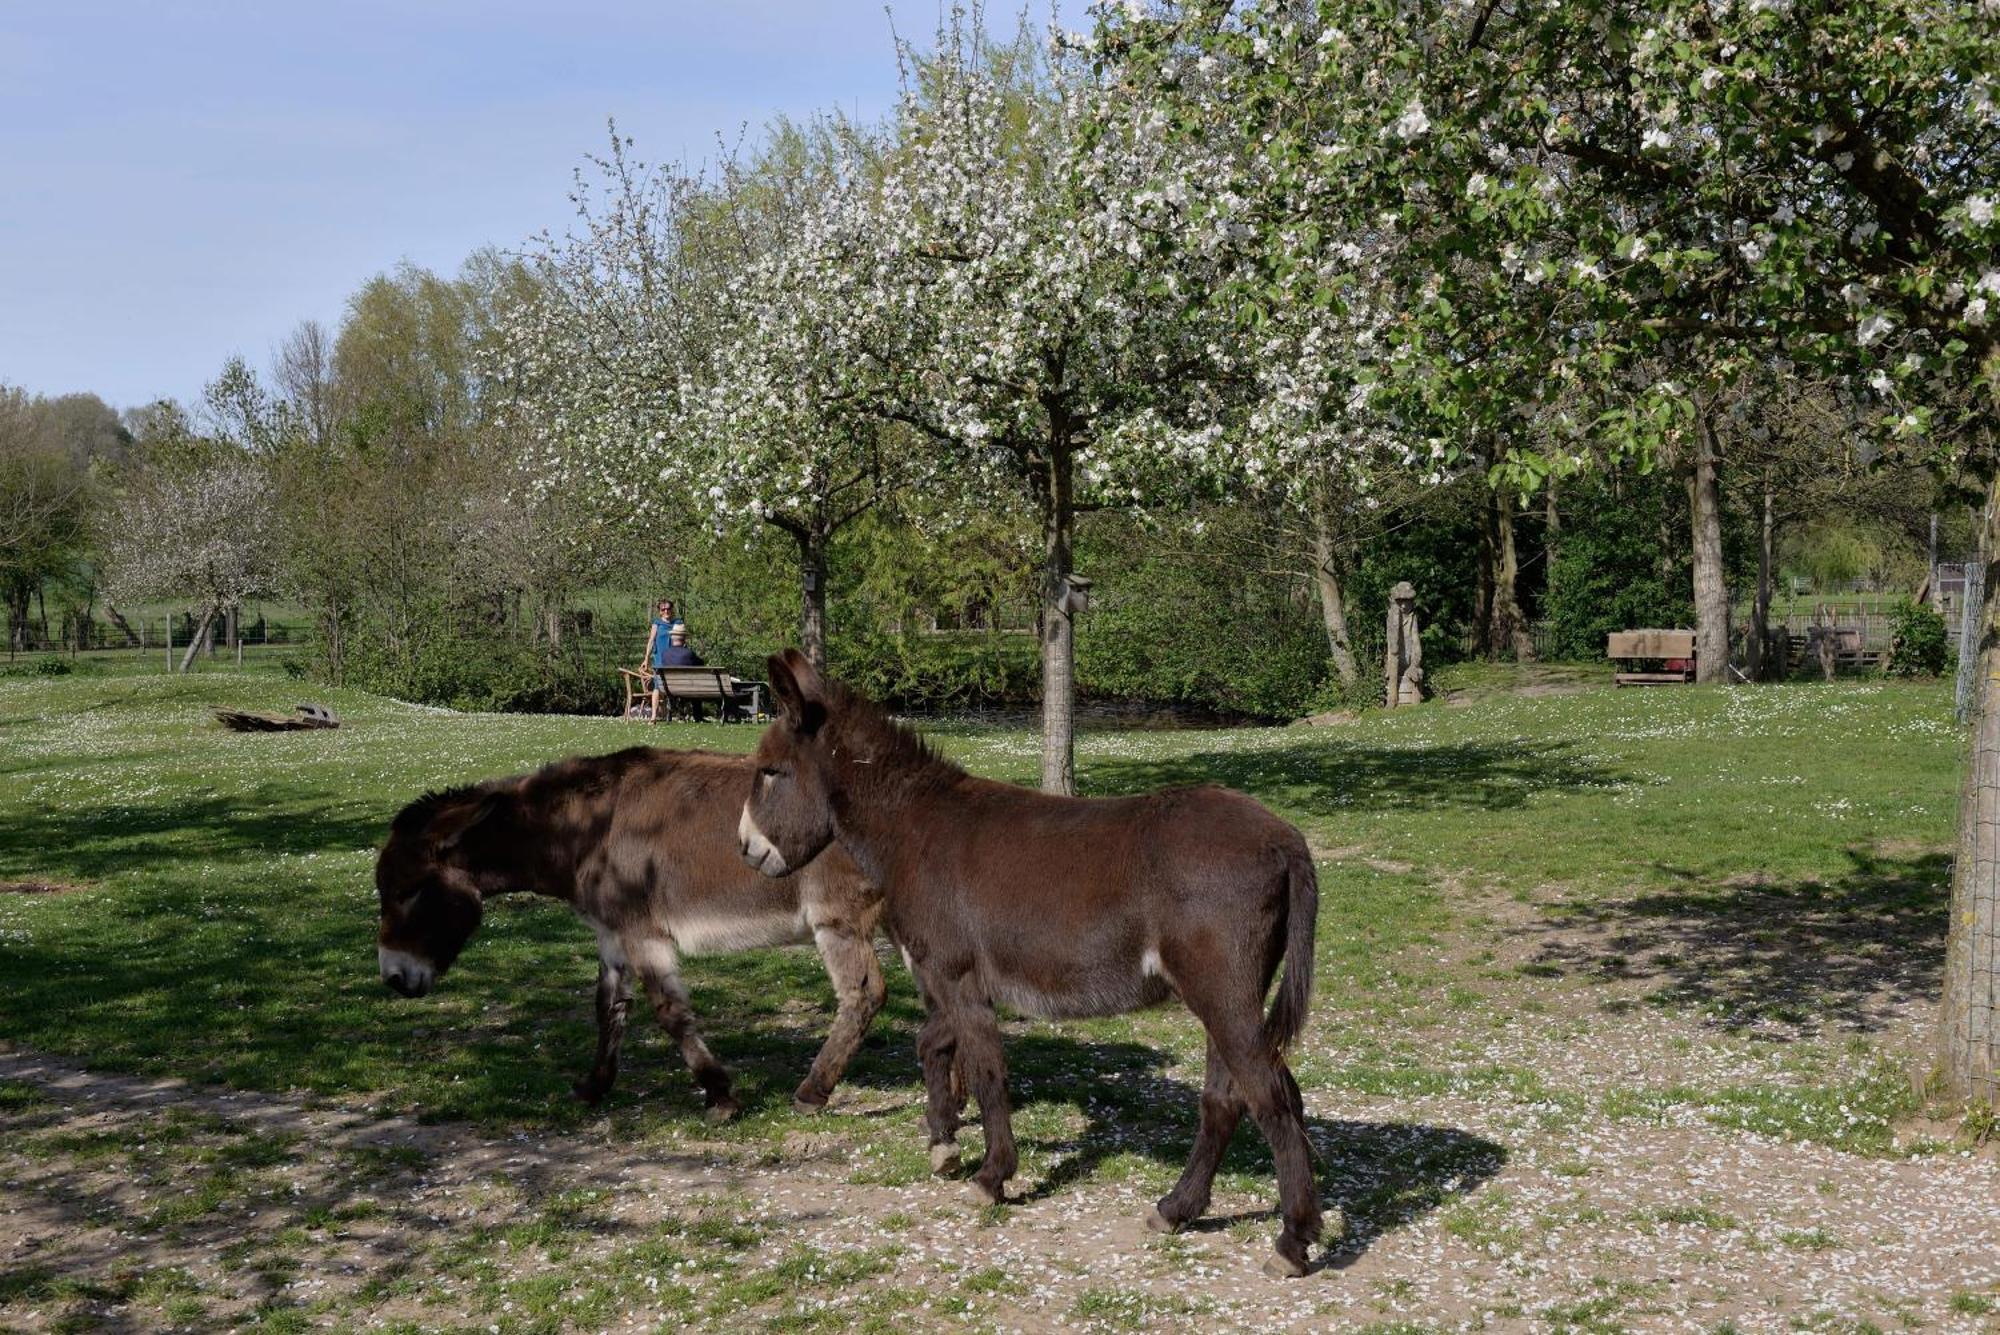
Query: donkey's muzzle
{"x": 403, "y": 985}
{"x": 757, "y": 850}
{"x": 405, "y": 974}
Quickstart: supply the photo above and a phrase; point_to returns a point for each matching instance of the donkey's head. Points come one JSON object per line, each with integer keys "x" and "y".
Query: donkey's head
{"x": 430, "y": 902}
{"x": 788, "y": 817}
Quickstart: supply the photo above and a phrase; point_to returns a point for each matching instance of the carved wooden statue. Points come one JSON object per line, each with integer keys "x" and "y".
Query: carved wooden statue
{"x": 1404, "y": 665}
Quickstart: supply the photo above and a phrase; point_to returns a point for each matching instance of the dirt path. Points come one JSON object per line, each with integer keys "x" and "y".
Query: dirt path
{"x": 127, "y": 1204}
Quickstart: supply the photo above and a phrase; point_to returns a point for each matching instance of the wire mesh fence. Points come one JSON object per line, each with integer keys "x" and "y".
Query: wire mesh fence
{"x": 1968, "y": 640}
{"x": 156, "y": 639}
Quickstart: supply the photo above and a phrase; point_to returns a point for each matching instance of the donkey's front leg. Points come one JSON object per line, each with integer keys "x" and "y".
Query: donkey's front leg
{"x": 614, "y": 1002}
{"x": 937, "y": 1048}
{"x": 857, "y": 983}
{"x": 659, "y": 968}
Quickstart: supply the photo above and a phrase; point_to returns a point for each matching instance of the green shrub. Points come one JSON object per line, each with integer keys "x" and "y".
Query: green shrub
{"x": 1918, "y": 645}
{"x": 1611, "y": 571}
{"x": 1193, "y": 620}
{"x": 937, "y": 669}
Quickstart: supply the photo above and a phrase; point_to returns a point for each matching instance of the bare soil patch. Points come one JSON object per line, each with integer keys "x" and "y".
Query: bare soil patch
{"x": 40, "y": 888}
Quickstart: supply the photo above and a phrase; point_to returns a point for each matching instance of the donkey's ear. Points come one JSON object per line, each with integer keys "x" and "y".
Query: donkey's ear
{"x": 811, "y": 685}
{"x": 784, "y": 687}
{"x": 799, "y": 691}
{"x": 451, "y": 826}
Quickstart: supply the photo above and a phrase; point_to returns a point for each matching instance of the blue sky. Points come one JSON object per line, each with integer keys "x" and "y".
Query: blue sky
{"x": 183, "y": 181}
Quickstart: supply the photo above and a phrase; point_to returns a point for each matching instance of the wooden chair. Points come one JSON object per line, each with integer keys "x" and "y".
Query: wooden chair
{"x": 638, "y": 684}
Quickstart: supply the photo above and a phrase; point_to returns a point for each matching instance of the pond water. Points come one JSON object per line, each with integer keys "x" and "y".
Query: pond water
{"x": 1091, "y": 716}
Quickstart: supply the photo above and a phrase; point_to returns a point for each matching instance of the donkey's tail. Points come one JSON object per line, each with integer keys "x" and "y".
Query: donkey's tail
{"x": 1288, "y": 1008}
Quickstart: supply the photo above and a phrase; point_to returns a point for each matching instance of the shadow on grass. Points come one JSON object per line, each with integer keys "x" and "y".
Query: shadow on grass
{"x": 1324, "y": 777}
{"x": 282, "y": 993}
{"x": 1784, "y": 960}
{"x": 93, "y": 842}
{"x": 1380, "y": 1175}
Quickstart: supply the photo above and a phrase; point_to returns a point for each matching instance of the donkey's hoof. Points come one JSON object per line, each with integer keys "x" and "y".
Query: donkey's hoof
{"x": 1159, "y": 1223}
{"x": 590, "y": 1092}
{"x": 944, "y": 1159}
{"x": 978, "y": 1193}
{"x": 1279, "y": 1266}
{"x": 722, "y": 1110}
{"x": 806, "y": 1107}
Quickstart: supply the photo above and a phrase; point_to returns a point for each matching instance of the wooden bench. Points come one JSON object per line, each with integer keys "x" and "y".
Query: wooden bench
{"x": 705, "y": 685}
{"x": 1661, "y": 646}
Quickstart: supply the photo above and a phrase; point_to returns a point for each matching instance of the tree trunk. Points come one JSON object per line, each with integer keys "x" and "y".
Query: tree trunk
{"x": 1058, "y": 629}
{"x": 1551, "y": 533}
{"x": 1931, "y": 594}
{"x": 1509, "y": 629}
{"x": 1482, "y": 596}
{"x": 195, "y": 640}
{"x": 812, "y": 595}
{"x": 1760, "y": 621}
{"x": 1711, "y": 594}
{"x": 335, "y": 670}
{"x": 132, "y": 638}
{"x": 1327, "y": 574}
{"x": 1969, "y": 1023}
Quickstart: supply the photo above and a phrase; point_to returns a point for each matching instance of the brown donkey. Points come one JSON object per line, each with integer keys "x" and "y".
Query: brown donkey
{"x": 641, "y": 845}
{"x": 1058, "y": 907}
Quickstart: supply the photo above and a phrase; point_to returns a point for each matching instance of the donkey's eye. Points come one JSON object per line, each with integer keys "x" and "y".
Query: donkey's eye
{"x": 769, "y": 771}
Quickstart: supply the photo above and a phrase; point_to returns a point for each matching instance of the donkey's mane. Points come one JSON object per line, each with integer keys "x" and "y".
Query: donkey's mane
{"x": 861, "y": 725}
{"x": 569, "y": 775}
{"x": 417, "y": 816}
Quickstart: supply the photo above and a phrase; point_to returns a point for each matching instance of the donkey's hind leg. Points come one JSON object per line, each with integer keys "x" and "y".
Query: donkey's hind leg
{"x": 614, "y": 1002}
{"x": 1221, "y": 1110}
{"x": 659, "y": 969}
{"x": 1265, "y": 1085}
{"x": 1272, "y": 1095}
{"x": 857, "y": 984}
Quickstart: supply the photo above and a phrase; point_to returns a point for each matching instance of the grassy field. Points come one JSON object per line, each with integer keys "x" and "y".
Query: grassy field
{"x": 1583, "y": 955}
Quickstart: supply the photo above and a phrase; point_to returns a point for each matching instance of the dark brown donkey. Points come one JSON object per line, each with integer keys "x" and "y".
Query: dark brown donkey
{"x": 642, "y": 845}
{"x": 1058, "y": 907}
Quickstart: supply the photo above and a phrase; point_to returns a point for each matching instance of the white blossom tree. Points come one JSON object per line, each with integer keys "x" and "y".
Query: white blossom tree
{"x": 693, "y": 352}
{"x": 1639, "y": 205}
{"x": 193, "y": 520}
{"x": 1040, "y": 341}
